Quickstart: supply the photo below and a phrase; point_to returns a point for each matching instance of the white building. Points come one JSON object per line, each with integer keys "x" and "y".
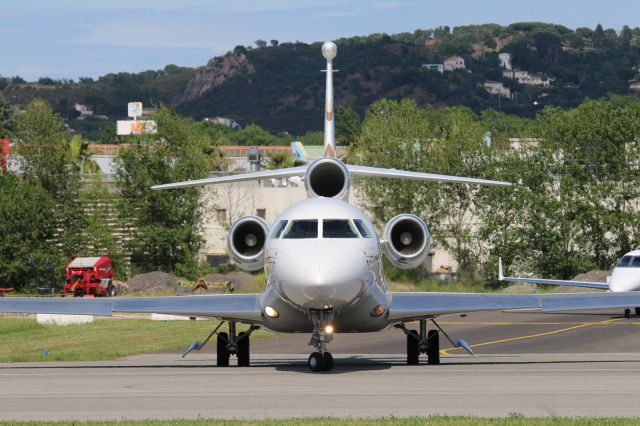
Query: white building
{"x": 497, "y": 88}
{"x": 505, "y": 60}
{"x": 229, "y": 122}
{"x": 434, "y": 67}
{"x": 523, "y": 77}
{"x": 84, "y": 110}
{"x": 454, "y": 63}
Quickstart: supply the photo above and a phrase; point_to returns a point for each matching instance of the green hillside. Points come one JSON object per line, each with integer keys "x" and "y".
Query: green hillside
{"x": 279, "y": 86}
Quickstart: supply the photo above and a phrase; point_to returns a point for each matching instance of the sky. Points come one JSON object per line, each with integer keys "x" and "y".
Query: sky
{"x": 89, "y": 38}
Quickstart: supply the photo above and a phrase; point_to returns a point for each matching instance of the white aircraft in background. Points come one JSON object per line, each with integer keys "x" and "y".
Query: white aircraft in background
{"x": 323, "y": 263}
{"x": 624, "y": 278}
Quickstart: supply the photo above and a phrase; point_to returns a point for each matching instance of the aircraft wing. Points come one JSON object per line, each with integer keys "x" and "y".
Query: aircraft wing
{"x": 240, "y": 307}
{"x": 242, "y": 177}
{"x": 410, "y": 306}
{"x": 402, "y": 174}
{"x": 587, "y": 284}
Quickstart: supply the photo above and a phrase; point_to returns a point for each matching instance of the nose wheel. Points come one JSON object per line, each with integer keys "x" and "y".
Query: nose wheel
{"x": 319, "y": 361}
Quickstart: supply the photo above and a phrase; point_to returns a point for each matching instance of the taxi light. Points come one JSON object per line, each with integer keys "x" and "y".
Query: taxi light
{"x": 328, "y": 329}
{"x": 377, "y": 311}
{"x": 271, "y": 312}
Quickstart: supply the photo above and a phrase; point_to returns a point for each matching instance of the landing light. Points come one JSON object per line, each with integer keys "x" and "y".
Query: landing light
{"x": 272, "y": 313}
{"x": 328, "y": 329}
{"x": 377, "y": 311}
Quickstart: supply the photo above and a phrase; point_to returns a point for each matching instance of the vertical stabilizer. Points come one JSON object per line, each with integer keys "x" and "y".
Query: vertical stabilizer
{"x": 329, "y": 51}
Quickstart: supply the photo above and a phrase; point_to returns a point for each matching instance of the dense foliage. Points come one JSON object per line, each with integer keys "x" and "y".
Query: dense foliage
{"x": 575, "y": 199}
{"x": 284, "y": 91}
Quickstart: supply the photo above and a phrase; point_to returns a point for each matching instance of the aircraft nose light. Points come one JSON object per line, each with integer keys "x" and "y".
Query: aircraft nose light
{"x": 271, "y": 312}
{"x": 328, "y": 329}
{"x": 377, "y": 311}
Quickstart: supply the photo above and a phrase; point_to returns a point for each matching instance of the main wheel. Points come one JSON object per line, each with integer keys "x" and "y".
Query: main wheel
{"x": 316, "y": 362}
{"x": 223, "y": 352}
{"x": 243, "y": 349}
{"x": 627, "y": 313}
{"x": 413, "y": 353}
{"x": 328, "y": 361}
{"x": 433, "y": 347}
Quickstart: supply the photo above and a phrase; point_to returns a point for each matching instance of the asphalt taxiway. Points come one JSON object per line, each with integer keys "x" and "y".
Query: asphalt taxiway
{"x": 533, "y": 364}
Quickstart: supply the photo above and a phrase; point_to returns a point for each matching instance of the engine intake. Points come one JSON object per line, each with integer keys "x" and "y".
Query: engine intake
{"x": 327, "y": 177}
{"x": 246, "y": 242}
{"x": 407, "y": 242}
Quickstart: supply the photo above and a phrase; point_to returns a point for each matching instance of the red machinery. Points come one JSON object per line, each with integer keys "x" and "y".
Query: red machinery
{"x": 89, "y": 276}
{"x": 5, "y": 150}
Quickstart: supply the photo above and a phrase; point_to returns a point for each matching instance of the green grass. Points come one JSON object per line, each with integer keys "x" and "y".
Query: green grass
{"x": 25, "y": 340}
{"x": 513, "y": 420}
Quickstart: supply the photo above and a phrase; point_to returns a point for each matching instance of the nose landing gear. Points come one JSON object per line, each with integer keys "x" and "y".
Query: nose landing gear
{"x": 321, "y": 360}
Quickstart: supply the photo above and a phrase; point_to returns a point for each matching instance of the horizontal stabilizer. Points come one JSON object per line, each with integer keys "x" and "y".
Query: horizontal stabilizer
{"x": 432, "y": 177}
{"x": 585, "y": 284}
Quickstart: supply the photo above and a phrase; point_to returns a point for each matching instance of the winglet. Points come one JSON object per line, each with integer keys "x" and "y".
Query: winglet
{"x": 500, "y": 270}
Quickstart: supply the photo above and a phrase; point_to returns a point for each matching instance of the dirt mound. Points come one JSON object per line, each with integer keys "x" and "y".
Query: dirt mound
{"x": 595, "y": 276}
{"x": 521, "y": 288}
{"x": 152, "y": 282}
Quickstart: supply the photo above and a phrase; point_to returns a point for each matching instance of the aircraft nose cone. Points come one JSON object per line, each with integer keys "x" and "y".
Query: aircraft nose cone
{"x": 335, "y": 279}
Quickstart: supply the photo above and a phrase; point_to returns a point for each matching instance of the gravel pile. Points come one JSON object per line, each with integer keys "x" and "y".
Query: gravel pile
{"x": 152, "y": 282}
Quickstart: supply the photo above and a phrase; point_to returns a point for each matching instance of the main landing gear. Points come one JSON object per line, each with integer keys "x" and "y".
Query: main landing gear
{"x": 627, "y": 312}
{"x": 321, "y": 360}
{"x": 428, "y": 343}
{"x": 227, "y": 344}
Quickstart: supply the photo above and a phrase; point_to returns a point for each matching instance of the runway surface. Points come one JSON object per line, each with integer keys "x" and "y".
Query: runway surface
{"x": 556, "y": 365}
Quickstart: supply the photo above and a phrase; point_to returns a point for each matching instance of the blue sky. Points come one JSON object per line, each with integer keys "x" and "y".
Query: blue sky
{"x": 71, "y": 38}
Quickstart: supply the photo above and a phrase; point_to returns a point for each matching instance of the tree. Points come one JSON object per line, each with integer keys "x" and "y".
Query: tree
{"x": 166, "y": 223}
{"x": 347, "y": 125}
{"x": 6, "y": 124}
{"x": 47, "y": 161}
{"x": 274, "y": 43}
{"x": 260, "y": 43}
{"x": 28, "y": 225}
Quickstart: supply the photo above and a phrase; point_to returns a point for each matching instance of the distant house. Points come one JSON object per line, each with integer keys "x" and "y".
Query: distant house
{"x": 454, "y": 63}
{"x": 523, "y": 77}
{"x": 229, "y": 122}
{"x": 434, "y": 67}
{"x": 505, "y": 60}
{"x": 521, "y": 143}
{"x": 497, "y": 88}
{"x": 635, "y": 86}
{"x": 84, "y": 110}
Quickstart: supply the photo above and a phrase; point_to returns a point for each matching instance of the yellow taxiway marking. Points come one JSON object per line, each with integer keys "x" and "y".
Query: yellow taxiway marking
{"x": 531, "y": 336}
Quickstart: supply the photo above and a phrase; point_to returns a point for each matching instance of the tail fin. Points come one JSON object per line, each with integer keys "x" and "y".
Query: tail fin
{"x": 329, "y": 51}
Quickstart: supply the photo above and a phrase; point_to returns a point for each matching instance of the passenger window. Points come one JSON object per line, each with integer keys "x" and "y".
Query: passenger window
{"x": 302, "y": 229}
{"x": 277, "y": 231}
{"x": 635, "y": 262}
{"x": 362, "y": 228}
{"x": 624, "y": 262}
{"x": 338, "y": 228}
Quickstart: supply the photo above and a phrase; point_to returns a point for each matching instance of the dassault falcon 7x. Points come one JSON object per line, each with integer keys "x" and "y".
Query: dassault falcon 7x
{"x": 323, "y": 263}
{"x": 625, "y": 277}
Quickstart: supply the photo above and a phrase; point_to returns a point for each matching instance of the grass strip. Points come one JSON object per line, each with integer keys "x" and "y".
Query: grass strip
{"x": 105, "y": 339}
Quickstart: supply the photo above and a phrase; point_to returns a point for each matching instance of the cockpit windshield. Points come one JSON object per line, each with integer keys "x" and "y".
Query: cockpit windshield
{"x": 338, "y": 228}
{"x": 629, "y": 262}
{"x": 277, "y": 230}
{"x": 299, "y": 229}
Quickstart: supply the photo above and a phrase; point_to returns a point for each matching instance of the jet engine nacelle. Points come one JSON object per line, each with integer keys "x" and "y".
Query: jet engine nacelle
{"x": 406, "y": 241}
{"x": 246, "y": 242}
{"x": 327, "y": 177}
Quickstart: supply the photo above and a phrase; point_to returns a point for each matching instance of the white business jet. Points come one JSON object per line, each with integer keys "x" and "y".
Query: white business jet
{"x": 625, "y": 277}
{"x": 323, "y": 263}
